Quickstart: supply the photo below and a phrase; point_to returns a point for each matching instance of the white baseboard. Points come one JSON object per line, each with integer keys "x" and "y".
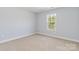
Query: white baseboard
{"x": 14, "y": 38}
{"x": 60, "y": 37}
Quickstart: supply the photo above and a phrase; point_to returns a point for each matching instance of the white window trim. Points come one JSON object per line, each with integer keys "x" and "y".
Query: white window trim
{"x": 47, "y": 22}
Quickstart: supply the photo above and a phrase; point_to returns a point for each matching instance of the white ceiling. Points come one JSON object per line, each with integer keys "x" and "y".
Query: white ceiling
{"x": 38, "y": 9}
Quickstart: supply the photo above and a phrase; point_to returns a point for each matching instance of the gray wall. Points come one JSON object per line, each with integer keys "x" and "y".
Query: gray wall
{"x": 67, "y": 22}
{"x": 15, "y": 22}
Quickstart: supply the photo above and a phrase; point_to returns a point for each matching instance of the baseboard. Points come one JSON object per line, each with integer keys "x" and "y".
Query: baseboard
{"x": 59, "y": 37}
{"x": 14, "y": 38}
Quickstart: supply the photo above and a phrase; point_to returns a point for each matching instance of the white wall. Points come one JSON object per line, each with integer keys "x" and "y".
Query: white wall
{"x": 15, "y": 22}
{"x": 67, "y": 22}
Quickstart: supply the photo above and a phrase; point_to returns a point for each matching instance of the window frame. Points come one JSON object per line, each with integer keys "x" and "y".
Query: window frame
{"x": 54, "y": 14}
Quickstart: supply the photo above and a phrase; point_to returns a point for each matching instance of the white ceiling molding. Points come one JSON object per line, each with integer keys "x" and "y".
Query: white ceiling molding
{"x": 39, "y": 9}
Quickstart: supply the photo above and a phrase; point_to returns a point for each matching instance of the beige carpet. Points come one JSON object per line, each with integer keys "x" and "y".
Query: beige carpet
{"x": 39, "y": 43}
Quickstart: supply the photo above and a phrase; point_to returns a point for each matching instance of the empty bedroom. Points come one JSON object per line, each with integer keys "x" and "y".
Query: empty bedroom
{"x": 39, "y": 29}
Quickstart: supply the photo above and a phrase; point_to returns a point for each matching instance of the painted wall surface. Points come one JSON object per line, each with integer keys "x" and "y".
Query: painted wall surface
{"x": 67, "y": 22}
{"x": 15, "y": 22}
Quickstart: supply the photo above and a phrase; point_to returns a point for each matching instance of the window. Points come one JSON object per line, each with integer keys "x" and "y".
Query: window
{"x": 51, "y": 19}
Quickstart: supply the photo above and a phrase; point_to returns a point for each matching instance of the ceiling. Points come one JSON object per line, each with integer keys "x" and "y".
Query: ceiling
{"x": 38, "y": 9}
